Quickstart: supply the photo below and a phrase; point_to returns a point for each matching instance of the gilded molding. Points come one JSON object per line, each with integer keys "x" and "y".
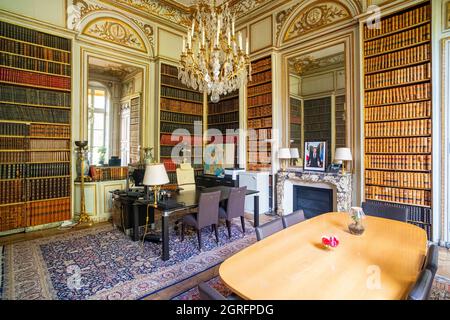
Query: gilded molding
{"x": 280, "y": 18}
{"x": 316, "y": 16}
{"x": 115, "y": 31}
{"x": 242, "y": 7}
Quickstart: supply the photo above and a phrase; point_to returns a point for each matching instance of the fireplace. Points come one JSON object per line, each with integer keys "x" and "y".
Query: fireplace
{"x": 313, "y": 201}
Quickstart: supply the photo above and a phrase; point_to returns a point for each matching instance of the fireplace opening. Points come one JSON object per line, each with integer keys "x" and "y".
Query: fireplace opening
{"x": 313, "y": 201}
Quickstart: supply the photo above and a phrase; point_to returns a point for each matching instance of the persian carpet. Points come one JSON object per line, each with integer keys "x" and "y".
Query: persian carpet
{"x": 103, "y": 263}
{"x": 439, "y": 291}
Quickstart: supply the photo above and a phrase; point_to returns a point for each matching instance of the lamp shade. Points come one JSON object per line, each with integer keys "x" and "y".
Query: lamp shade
{"x": 343, "y": 154}
{"x": 155, "y": 175}
{"x": 284, "y": 153}
{"x": 294, "y": 153}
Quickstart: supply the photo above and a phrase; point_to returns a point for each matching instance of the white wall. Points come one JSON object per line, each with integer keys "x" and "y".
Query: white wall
{"x": 50, "y": 11}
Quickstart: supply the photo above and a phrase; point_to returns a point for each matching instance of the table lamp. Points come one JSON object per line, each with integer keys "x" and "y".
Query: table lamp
{"x": 284, "y": 154}
{"x": 294, "y": 155}
{"x": 155, "y": 176}
{"x": 343, "y": 154}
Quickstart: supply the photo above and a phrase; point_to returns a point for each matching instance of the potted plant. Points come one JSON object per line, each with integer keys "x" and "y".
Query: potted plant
{"x": 101, "y": 152}
{"x": 357, "y": 216}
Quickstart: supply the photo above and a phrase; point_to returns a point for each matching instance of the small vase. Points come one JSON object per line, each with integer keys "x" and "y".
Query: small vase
{"x": 357, "y": 216}
{"x": 356, "y": 228}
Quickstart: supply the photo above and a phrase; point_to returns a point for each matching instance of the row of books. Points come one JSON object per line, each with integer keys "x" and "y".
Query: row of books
{"x": 21, "y": 62}
{"x": 261, "y": 111}
{"x": 398, "y": 22}
{"x": 399, "y": 128}
{"x": 264, "y": 88}
{"x": 38, "y": 144}
{"x": 260, "y": 123}
{"x": 12, "y": 191}
{"x": 180, "y": 117}
{"x": 398, "y": 59}
{"x": 262, "y": 64}
{"x": 54, "y": 156}
{"x": 260, "y": 78}
{"x": 224, "y": 117}
{"x": 35, "y": 170}
{"x": 259, "y": 167}
{"x": 169, "y": 70}
{"x": 34, "y": 114}
{"x": 398, "y": 40}
{"x": 168, "y": 92}
{"x": 400, "y": 94}
{"x": 229, "y": 105}
{"x": 181, "y": 106}
{"x": 319, "y": 126}
{"x": 33, "y": 36}
{"x": 166, "y": 127}
{"x": 169, "y": 165}
{"x": 40, "y": 189}
{"x": 33, "y": 96}
{"x": 12, "y": 217}
{"x": 406, "y": 196}
{"x": 259, "y": 134}
{"x": 399, "y": 76}
{"x": 173, "y": 140}
{"x": 14, "y": 157}
{"x": 415, "y": 214}
{"x": 33, "y": 51}
{"x": 317, "y": 109}
{"x": 398, "y": 145}
{"x": 47, "y": 130}
{"x": 399, "y": 111}
{"x": 225, "y": 129}
{"x": 14, "y": 129}
{"x": 14, "y": 144}
{"x": 171, "y": 81}
{"x": 50, "y": 211}
{"x": 259, "y": 157}
{"x": 108, "y": 173}
{"x": 413, "y": 180}
{"x": 296, "y": 130}
{"x": 265, "y": 99}
{"x": 34, "y": 79}
{"x": 12, "y": 171}
{"x": 398, "y": 162}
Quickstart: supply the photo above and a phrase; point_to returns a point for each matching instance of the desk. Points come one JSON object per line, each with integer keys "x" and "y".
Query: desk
{"x": 292, "y": 264}
{"x": 185, "y": 200}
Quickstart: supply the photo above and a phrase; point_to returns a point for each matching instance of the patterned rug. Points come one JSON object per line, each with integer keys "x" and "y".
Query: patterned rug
{"x": 103, "y": 263}
{"x": 439, "y": 291}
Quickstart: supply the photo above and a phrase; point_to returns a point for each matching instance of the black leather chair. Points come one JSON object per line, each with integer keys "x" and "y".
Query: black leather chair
{"x": 235, "y": 208}
{"x": 432, "y": 259}
{"x": 208, "y": 293}
{"x": 422, "y": 287}
{"x": 385, "y": 211}
{"x": 269, "y": 228}
{"x": 293, "y": 218}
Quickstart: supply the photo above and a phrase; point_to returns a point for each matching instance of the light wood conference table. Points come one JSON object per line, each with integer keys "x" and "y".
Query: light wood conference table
{"x": 292, "y": 264}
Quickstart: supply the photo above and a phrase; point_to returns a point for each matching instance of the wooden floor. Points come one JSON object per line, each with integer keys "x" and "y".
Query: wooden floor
{"x": 172, "y": 291}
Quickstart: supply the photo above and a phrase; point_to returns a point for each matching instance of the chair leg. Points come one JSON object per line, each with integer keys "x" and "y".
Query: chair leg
{"x": 217, "y": 233}
{"x": 182, "y": 232}
{"x": 228, "y": 222}
{"x": 199, "y": 236}
{"x": 243, "y": 224}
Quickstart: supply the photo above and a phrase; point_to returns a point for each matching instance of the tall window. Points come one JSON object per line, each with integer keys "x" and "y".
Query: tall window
{"x": 98, "y": 124}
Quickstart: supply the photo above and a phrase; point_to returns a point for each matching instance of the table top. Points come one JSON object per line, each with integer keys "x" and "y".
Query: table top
{"x": 190, "y": 199}
{"x": 294, "y": 265}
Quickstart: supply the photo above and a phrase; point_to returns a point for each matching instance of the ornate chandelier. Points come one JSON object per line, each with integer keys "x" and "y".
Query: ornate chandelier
{"x": 213, "y": 58}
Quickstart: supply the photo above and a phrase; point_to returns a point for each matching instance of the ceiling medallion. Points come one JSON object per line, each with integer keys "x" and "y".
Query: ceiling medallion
{"x": 213, "y": 57}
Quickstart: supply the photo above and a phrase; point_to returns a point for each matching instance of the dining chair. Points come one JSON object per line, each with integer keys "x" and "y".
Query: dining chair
{"x": 422, "y": 287}
{"x": 293, "y": 218}
{"x": 385, "y": 211}
{"x": 185, "y": 177}
{"x": 432, "y": 259}
{"x": 269, "y": 228}
{"x": 207, "y": 292}
{"x": 207, "y": 215}
{"x": 235, "y": 208}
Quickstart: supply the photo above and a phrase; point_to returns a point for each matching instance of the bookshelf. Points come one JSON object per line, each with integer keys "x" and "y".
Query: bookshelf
{"x": 296, "y": 122}
{"x": 397, "y": 112}
{"x": 224, "y": 116}
{"x": 35, "y": 128}
{"x": 180, "y": 108}
{"x": 259, "y": 116}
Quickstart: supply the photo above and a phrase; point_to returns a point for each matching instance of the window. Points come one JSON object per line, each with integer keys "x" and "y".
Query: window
{"x": 98, "y": 124}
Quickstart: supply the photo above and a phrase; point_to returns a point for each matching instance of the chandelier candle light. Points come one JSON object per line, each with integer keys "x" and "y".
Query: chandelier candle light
{"x": 213, "y": 58}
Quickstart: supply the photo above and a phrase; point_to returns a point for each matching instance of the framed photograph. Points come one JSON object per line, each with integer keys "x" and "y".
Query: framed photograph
{"x": 315, "y": 156}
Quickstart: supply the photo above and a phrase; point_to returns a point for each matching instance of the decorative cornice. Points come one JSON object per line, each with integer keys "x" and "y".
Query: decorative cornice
{"x": 306, "y": 65}
{"x": 316, "y": 16}
{"x": 281, "y": 16}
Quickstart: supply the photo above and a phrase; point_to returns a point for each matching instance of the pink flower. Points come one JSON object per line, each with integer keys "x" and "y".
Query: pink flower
{"x": 330, "y": 241}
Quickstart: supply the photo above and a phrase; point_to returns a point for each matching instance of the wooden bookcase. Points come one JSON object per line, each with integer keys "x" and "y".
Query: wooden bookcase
{"x": 180, "y": 107}
{"x": 397, "y": 112}
{"x": 224, "y": 116}
{"x": 295, "y": 126}
{"x": 35, "y": 128}
{"x": 259, "y": 116}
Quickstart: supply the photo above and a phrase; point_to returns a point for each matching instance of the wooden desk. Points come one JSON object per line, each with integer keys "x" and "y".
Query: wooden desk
{"x": 293, "y": 264}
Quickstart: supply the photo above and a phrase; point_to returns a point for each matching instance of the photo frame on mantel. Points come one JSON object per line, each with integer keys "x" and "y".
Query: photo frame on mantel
{"x": 315, "y": 156}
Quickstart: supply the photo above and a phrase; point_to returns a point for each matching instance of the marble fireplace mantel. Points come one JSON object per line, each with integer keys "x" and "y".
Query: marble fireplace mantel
{"x": 341, "y": 183}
